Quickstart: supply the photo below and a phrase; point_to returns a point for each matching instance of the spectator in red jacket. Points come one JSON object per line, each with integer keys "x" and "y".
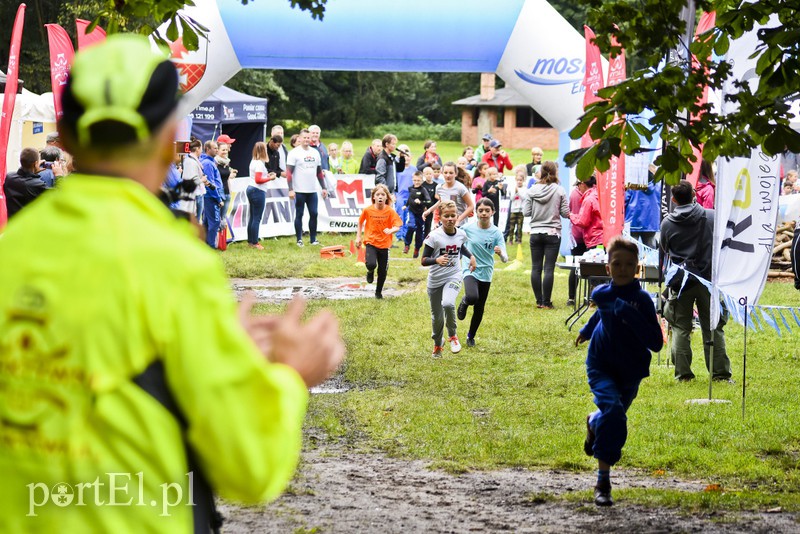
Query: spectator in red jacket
{"x": 497, "y": 157}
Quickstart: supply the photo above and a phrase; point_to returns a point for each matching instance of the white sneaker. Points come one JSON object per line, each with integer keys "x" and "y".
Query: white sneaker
{"x": 315, "y": 243}
{"x": 300, "y": 243}
{"x": 455, "y": 346}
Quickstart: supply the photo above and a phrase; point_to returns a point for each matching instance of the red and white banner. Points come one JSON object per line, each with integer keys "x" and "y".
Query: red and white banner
{"x": 592, "y": 78}
{"x": 611, "y": 184}
{"x": 707, "y": 21}
{"x": 61, "y": 55}
{"x": 9, "y": 98}
{"x": 97, "y": 35}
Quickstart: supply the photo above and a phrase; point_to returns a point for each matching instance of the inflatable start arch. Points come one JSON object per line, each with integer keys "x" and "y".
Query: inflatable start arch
{"x": 525, "y": 42}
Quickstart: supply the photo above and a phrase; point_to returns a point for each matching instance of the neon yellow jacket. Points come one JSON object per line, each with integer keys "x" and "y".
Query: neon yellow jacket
{"x": 350, "y": 166}
{"x": 98, "y": 282}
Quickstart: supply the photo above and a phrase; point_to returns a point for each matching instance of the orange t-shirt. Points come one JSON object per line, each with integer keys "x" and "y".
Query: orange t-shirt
{"x": 377, "y": 220}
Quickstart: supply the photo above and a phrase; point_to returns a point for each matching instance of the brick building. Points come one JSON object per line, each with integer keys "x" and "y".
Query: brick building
{"x": 504, "y": 114}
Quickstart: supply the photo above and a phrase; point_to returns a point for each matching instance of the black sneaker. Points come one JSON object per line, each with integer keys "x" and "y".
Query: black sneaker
{"x": 378, "y": 295}
{"x": 461, "y": 313}
{"x": 588, "y": 443}
{"x": 470, "y": 342}
{"x": 570, "y": 302}
{"x": 370, "y": 276}
{"x": 602, "y": 494}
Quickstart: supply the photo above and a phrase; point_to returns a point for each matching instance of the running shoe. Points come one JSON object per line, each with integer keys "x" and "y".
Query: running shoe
{"x": 461, "y": 313}
{"x": 455, "y": 346}
{"x": 437, "y": 351}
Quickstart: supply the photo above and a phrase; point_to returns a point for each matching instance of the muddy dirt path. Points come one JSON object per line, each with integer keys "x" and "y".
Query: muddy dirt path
{"x": 341, "y": 491}
{"x": 337, "y": 490}
{"x": 278, "y": 290}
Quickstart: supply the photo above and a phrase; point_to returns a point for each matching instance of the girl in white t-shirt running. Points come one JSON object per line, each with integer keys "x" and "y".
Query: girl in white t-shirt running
{"x": 442, "y": 251}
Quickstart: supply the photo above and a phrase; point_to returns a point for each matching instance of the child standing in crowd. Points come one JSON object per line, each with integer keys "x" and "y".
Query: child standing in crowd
{"x": 484, "y": 240}
{"x": 515, "y": 215}
{"x": 623, "y": 331}
{"x": 430, "y": 187}
{"x": 437, "y": 173}
{"x": 335, "y": 164}
{"x": 418, "y": 201}
{"x": 443, "y": 247}
{"x": 380, "y": 222}
{"x": 479, "y": 180}
{"x": 469, "y": 155}
{"x": 492, "y": 190}
{"x": 349, "y": 164}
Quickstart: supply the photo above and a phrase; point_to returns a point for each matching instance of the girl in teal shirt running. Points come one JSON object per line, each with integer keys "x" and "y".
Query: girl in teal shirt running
{"x": 484, "y": 240}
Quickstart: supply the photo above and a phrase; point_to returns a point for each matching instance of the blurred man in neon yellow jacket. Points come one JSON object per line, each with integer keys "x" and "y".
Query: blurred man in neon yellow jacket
{"x": 130, "y": 388}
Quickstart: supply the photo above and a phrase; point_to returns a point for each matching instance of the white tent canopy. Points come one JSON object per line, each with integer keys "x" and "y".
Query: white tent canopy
{"x": 34, "y": 117}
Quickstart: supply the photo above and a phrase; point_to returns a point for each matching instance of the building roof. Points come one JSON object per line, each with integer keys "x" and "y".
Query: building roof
{"x": 505, "y": 97}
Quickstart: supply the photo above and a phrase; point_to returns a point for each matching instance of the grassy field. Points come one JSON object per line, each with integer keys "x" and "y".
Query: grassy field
{"x": 448, "y": 150}
{"x": 519, "y": 398}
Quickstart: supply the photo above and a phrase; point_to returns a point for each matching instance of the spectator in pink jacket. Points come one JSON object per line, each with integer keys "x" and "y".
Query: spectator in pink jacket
{"x": 589, "y": 216}
{"x": 578, "y": 245}
{"x": 706, "y": 186}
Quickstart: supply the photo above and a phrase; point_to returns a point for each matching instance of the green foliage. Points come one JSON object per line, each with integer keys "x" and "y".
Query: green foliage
{"x": 423, "y": 129}
{"x": 761, "y": 119}
{"x": 448, "y": 150}
{"x": 355, "y": 103}
{"x": 259, "y": 83}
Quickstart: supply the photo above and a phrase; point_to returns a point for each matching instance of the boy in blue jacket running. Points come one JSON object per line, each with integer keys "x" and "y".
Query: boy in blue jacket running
{"x": 623, "y": 331}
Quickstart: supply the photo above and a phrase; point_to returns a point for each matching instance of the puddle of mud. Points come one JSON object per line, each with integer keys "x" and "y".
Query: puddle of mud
{"x": 323, "y": 390}
{"x": 273, "y": 290}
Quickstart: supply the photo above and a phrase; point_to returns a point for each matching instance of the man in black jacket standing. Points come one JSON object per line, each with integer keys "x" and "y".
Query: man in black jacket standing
{"x": 22, "y": 187}
{"x": 370, "y": 158}
{"x": 687, "y": 237}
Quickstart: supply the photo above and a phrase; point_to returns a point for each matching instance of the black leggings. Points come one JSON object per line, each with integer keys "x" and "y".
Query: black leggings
{"x": 378, "y": 257}
{"x": 544, "y": 253}
{"x": 475, "y": 295}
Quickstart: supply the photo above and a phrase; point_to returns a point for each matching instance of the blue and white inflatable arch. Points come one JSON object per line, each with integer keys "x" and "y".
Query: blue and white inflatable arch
{"x": 526, "y": 42}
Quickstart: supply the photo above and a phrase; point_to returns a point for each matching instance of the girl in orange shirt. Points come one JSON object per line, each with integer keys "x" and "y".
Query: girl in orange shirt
{"x": 379, "y": 222}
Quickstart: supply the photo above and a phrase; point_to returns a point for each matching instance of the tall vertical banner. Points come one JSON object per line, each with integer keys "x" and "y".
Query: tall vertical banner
{"x": 97, "y": 35}
{"x": 61, "y": 55}
{"x": 592, "y": 78}
{"x": 9, "y": 99}
{"x": 707, "y": 21}
{"x": 746, "y": 206}
{"x": 613, "y": 181}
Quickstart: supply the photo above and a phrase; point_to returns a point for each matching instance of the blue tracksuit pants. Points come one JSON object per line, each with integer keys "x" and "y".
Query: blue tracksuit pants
{"x": 610, "y": 422}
